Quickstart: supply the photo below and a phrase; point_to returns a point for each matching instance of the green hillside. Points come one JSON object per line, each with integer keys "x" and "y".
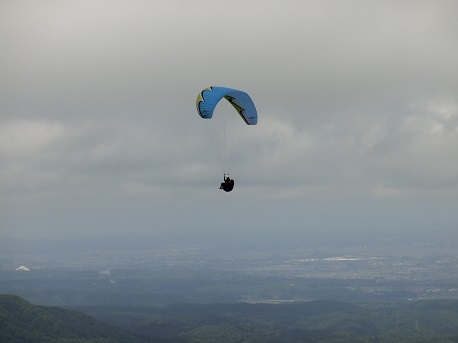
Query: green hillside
{"x": 314, "y": 322}
{"x": 22, "y": 322}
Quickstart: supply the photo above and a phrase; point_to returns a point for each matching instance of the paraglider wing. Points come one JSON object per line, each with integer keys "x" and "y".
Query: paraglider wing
{"x": 241, "y": 101}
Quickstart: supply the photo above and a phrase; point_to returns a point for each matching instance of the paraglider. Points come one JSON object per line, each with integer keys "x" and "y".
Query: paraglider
{"x": 208, "y": 99}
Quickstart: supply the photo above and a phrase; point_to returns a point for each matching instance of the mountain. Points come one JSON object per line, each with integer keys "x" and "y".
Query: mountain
{"x": 20, "y": 322}
{"x": 320, "y": 321}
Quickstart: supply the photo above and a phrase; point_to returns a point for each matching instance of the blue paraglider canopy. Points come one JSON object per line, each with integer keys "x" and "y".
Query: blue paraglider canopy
{"x": 241, "y": 101}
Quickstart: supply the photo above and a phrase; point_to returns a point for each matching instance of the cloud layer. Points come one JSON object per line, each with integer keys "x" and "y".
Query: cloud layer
{"x": 357, "y": 102}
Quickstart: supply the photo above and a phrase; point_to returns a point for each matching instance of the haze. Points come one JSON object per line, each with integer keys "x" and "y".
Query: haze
{"x": 99, "y": 136}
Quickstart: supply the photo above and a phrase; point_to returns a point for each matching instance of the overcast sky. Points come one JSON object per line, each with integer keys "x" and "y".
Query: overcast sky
{"x": 99, "y": 135}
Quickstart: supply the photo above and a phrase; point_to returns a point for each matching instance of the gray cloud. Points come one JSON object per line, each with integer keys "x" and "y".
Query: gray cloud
{"x": 357, "y": 103}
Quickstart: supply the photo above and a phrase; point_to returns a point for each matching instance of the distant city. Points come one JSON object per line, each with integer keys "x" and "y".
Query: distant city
{"x": 210, "y": 270}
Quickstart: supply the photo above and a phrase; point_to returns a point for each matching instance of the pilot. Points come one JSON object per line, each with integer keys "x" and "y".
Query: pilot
{"x": 228, "y": 184}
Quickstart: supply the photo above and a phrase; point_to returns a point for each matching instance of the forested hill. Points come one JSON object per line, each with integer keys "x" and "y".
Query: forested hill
{"x": 20, "y": 322}
{"x": 316, "y": 322}
{"x": 321, "y": 321}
